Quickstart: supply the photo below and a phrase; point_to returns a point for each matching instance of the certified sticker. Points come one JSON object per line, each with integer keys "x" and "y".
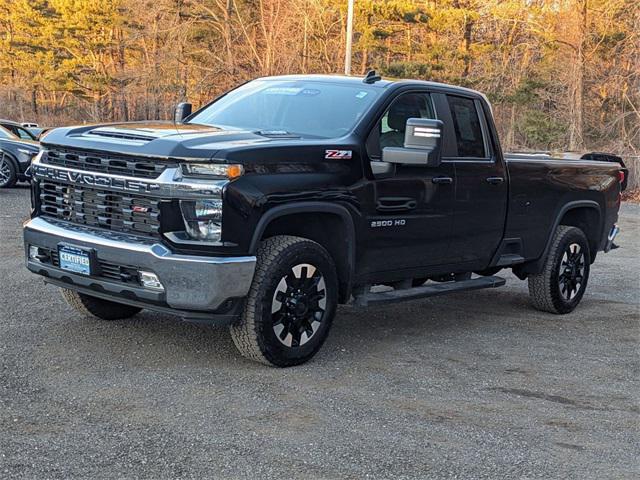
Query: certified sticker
{"x": 338, "y": 154}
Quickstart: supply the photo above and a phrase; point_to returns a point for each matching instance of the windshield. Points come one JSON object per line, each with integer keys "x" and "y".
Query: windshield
{"x": 4, "y": 133}
{"x": 301, "y": 108}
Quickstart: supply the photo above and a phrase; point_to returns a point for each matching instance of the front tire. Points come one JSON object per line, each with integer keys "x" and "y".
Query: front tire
{"x": 95, "y": 307}
{"x": 563, "y": 281}
{"x": 291, "y": 303}
{"x": 8, "y": 172}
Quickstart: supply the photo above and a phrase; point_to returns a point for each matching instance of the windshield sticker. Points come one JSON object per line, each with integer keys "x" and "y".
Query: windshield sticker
{"x": 338, "y": 154}
{"x": 361, "y": 94}
{"x": 310, "y": 92}
{"x": 282, "y": 91}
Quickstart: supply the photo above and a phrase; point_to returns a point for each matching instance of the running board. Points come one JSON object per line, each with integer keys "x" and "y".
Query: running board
{"x": 430, "y": 290}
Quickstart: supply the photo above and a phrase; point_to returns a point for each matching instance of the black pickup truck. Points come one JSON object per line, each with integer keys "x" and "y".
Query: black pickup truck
{"x": 287, "y": 196}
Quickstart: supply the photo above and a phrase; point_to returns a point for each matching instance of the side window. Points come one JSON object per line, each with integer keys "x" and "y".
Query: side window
{"x": 389, "y": 131}
{"x": 467, "y": 127}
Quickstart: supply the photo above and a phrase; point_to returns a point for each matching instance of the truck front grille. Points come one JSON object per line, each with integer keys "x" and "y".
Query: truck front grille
{"x": 104, "y": 162}
{"x": 115, "y": 211}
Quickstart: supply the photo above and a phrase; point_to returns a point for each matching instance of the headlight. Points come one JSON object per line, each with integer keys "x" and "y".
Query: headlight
{"x": 212, "y": 170}
{"x": 28, "y": 154}
{"x": 203, "y": 219}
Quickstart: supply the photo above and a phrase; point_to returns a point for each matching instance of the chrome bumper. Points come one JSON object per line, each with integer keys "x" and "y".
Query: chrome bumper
{"x": 191, "y": 283}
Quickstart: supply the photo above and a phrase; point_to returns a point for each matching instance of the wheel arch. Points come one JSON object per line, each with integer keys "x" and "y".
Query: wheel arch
{"x": 328, "y": 224}
{"x": 584, "y": 214}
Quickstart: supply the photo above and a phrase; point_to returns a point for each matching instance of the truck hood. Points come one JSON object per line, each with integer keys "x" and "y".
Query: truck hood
{"x": 161, "y": 139}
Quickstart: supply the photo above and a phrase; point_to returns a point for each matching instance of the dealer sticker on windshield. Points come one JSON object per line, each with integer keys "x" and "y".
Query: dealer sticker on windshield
{"x": 338, "y": 154}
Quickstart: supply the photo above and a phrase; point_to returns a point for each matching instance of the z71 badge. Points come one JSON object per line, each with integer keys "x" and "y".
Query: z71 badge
{"x": 338, "y": 154}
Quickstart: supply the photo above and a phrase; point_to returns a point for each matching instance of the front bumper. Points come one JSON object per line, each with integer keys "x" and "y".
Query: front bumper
{"x": 195, "y": 287}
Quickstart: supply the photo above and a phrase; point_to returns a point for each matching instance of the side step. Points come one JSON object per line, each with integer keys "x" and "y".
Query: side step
{"x": 430, "y": 290}
{"x": 509, "y": 259}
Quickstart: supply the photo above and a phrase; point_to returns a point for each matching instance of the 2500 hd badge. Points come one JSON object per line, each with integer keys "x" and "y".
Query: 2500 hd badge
{"x": 388, "y": 223}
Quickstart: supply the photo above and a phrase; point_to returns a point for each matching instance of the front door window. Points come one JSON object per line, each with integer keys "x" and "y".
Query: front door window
{"x": 389, "y": 131}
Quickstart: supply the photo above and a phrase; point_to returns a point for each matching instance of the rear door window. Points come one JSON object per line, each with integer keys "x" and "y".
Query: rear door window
{"x": 468, "y": 129}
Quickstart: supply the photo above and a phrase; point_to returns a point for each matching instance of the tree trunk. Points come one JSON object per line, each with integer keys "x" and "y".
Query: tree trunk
{"x": 576, "y": 141}
{"x": 34, "y": 101}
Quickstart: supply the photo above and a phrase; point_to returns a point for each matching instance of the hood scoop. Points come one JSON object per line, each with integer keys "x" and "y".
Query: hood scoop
{"x": 121, "y": 135}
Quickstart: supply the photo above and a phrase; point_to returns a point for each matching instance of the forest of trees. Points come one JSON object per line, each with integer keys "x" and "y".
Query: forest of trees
{"x": 561, "y": 74}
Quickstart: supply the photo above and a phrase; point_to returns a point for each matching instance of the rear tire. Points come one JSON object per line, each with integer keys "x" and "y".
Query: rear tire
{"x": 291, "y": 303}
{"x": 563, "y": 280}
{"x": 8, "y": 171}
{"x": 90, "y": 306}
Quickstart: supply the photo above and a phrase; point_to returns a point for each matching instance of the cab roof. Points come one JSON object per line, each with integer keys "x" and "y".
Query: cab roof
{"x": 383, "y": 83}
{"x": 9, "y": 122}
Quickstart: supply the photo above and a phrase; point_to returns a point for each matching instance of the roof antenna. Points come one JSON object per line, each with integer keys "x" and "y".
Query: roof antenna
{"x": 371, "y": 77}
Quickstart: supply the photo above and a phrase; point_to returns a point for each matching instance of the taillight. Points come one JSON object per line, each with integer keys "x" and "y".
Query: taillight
{"x": 621, "y": 176}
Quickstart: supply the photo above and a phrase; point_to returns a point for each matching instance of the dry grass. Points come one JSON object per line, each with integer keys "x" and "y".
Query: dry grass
{"x": 632, "y": 196}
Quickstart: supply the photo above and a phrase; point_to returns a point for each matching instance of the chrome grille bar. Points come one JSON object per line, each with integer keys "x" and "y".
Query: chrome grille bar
{"x": 104, "y": 162}
{"x": 79, "y": 204}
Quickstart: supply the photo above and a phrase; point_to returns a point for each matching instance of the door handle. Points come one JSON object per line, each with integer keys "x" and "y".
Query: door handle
{"x": 442, "y": 180}
{"x": 396, "y": 204}
{"x": 495, "y": 180}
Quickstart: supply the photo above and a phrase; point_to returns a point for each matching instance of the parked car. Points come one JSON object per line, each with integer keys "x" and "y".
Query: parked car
{"x": 289, "y": 195}
{"x": 16, "y": 154}
{"x": 18, "y": 130}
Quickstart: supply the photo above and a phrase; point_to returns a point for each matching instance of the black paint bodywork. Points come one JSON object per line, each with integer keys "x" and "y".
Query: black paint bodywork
{"x": 289, "y": 187}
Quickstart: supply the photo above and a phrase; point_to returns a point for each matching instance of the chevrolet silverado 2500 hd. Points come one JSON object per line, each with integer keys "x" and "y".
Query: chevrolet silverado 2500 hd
{"x": 287, "y": 196}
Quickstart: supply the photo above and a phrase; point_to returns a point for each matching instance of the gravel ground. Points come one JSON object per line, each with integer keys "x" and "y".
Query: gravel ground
{"x": 472, "y": 385}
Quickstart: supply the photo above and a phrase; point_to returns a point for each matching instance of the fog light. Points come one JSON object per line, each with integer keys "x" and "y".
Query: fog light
{"x": 150, "y": 280}
{"x": 39, "y": 255}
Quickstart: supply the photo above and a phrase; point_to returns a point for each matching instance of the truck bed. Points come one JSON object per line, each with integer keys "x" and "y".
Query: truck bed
{"x": 541, "y": 187}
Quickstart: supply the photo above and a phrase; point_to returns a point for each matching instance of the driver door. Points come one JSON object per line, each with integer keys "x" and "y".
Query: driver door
{"x": 410, "y": 219}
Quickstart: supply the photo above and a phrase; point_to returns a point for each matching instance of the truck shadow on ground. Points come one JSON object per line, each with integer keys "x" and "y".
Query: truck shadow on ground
{"x": 165, "y": 339}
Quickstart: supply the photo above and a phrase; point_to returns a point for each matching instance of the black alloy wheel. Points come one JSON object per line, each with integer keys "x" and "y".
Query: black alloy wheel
{"x": 299, "y": 304}
{"x": 8, "y": 174}
{"x": 571, "y": 271}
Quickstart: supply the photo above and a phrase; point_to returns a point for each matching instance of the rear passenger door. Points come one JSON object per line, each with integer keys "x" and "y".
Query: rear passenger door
{"x": 481, "y": 181}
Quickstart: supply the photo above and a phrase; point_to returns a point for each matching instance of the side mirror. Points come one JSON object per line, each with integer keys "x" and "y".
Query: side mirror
{"x": 422, "y": 142}
{"x": 182, "y": 111}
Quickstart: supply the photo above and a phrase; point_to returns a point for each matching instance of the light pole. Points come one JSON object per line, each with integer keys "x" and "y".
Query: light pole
{"x": 347, "y": 53}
